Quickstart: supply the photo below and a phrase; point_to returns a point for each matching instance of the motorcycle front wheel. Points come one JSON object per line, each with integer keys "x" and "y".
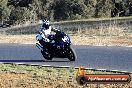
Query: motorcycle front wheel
{"x": 71, "y": 54}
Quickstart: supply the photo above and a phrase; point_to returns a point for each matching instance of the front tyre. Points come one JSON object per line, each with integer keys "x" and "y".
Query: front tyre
{"x": 71, "y": 54}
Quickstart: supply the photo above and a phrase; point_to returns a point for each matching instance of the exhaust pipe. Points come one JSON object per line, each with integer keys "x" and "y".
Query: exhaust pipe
{"x": 39, "y": 46}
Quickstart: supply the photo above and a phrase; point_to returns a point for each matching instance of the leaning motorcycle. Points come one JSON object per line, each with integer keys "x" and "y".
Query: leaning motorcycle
{"x": 60, "y": 48}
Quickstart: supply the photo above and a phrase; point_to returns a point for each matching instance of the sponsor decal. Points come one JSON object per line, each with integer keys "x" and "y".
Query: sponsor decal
{"x": 83, "y": 78}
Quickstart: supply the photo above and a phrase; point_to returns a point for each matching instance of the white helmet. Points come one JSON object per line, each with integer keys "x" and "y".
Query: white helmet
{"x": 38, "y": 37}
{"x": 46, "y": 24}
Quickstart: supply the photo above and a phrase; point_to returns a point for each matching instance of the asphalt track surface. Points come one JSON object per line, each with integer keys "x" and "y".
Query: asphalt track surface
{"x": 99, "y": 57}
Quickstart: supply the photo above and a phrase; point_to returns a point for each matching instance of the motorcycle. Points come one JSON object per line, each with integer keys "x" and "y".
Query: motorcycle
{"x": 61, "y": 48}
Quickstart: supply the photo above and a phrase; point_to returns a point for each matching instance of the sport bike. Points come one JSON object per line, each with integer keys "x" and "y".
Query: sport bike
{"x": 60, "y": 48}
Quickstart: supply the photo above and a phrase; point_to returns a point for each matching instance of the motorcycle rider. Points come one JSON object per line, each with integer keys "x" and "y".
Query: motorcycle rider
{"x": 44, "y": 33}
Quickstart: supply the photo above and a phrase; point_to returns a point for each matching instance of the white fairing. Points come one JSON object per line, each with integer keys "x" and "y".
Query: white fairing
{"x": 38, "y": 37}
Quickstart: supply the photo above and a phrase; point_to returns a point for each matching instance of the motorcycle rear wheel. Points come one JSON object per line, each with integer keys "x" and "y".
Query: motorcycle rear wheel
{"x": 46, "y": 56}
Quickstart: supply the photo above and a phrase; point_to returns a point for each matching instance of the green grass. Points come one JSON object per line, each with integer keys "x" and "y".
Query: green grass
{"x": 93, "y": 19}
{"x": 26, "y": 76}
{"x": 40, "y": 69}
{"x": 73, "y": 25}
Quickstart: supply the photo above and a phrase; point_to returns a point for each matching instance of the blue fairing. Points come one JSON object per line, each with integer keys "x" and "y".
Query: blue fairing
{"x": 61, "y": 44}
{"x": 65, "y": 40}
{"x": 68, "y": 40}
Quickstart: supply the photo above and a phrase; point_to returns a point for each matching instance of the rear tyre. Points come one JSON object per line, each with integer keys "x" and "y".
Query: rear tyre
{"x": 46, "y": 55}
{"x": 71, "y": 54}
